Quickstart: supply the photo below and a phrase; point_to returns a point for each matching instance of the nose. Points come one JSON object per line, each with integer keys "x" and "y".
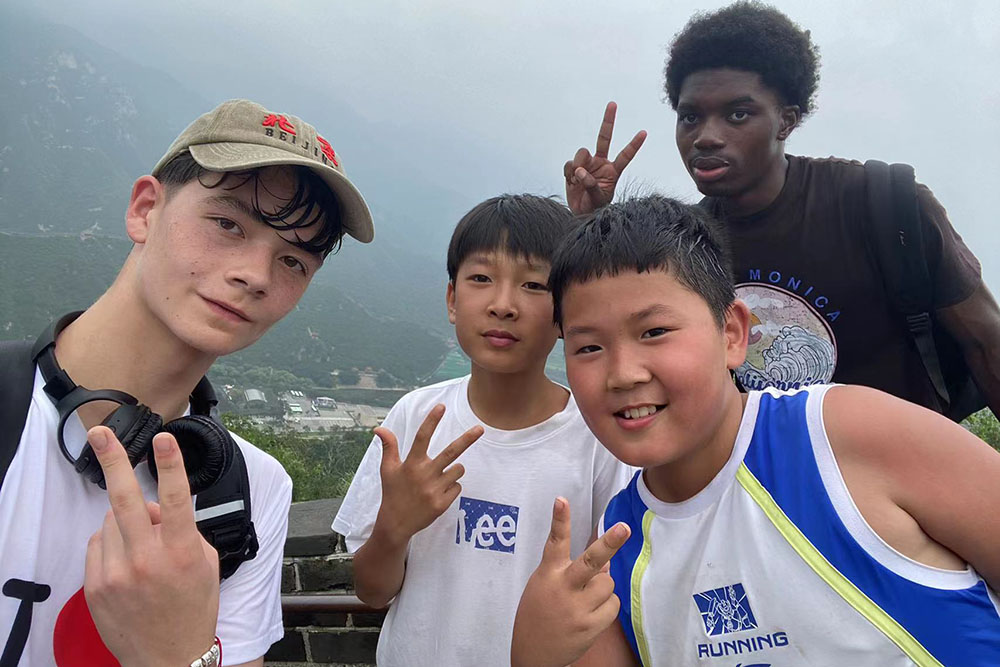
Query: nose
{"x": 252, "y": 270}
{"x": 503, "y": 305}
{"x": 710, "y": 135}
{"x": 625, "y": 370}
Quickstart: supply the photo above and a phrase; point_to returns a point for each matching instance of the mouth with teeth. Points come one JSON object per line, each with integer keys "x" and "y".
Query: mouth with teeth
{"x": 638, "y": 413}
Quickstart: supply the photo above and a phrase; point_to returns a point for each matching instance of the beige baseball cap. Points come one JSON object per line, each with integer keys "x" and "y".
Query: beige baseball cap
{"x": 240, "y": 134}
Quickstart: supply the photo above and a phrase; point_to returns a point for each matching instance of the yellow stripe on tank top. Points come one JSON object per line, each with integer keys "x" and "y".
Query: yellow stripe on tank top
{"x": 837, "y": 581}
{"x": 638, "y": 572}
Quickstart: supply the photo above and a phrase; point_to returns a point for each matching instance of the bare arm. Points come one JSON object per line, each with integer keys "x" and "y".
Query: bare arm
{"x": 975, "y": 324}
{"x": 379, "y": 566}
{"x": 415, "y": 492}
{"x": 921, "y": 480}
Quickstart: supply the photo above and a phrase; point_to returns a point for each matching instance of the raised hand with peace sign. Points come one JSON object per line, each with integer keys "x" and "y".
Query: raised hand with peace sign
{"x": 566, "y": 603}
{"x": 151, "y": 581}
{"x": 591, "y": 179}
{"x": 415, "y": 492}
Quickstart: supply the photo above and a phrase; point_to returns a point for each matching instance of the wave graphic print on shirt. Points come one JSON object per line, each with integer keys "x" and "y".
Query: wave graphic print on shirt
{"x": 790, "y": 345}
{"x": 486, "y": 525}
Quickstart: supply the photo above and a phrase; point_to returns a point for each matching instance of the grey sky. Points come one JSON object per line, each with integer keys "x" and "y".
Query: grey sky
{"x": 489, "y": 97}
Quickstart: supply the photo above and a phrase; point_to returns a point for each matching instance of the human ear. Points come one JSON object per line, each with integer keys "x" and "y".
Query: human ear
{"x": 147, "y": 193}
{"x": 736, "y": 329}
{"x": 790, "y": 117}
{"x": 449, "y": 297}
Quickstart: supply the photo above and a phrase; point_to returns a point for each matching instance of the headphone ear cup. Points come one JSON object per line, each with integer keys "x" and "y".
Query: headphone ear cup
{"x": 206, "y": 446}
{"x": 134, "y": 426}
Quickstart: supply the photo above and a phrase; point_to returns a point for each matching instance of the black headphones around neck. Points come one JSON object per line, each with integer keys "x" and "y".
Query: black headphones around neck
{"x": 215, "y": 465}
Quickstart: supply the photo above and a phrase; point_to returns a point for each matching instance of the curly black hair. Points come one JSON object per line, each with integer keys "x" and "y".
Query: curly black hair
{"x": 750, "y": 36}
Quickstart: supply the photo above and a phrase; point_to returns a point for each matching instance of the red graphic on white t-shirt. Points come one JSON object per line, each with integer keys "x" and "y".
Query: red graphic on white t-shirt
{"x": 75, "y": 641}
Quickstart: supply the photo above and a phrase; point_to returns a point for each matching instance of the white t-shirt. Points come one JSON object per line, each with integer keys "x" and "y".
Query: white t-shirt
{"x": 465, "y": 572}
{"x": 48, "y": 513}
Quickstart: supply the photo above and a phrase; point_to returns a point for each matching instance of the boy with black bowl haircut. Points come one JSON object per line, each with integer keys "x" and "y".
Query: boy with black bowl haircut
{"x": 832, "y": 524}
{"x": 453, "y": 558}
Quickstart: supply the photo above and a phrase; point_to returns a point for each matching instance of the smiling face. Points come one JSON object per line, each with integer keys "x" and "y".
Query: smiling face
{"x": 731, "y": 131}
{"x": 502, "y": 312}
{"x": 209, "y": 268}
{"x": 649, "y": 366}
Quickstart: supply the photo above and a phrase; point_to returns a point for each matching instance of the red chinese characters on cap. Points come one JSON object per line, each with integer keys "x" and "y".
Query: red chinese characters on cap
{"x": 327, "y": 150}
{"x": 280, "y": 121}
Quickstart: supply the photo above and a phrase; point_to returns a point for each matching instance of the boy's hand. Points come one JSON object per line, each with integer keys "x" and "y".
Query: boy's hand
{"x": 566, "y": 604}
{"x": 151, "y": 580}
{"x": 591, "y": 179}
{"x": 418, "y": 490}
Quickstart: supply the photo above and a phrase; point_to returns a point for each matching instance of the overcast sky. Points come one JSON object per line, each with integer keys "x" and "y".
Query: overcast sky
{"x": 497, "y": 95}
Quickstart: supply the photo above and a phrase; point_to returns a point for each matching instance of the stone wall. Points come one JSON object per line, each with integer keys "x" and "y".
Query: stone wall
{"x": 324, "y": 623}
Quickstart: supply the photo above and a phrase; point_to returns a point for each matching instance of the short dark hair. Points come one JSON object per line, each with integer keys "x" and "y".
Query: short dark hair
{"x": 651, "y": 233}
{"x": 749, "y": 36}
{"x": 525, "y": 226}
{"x": 312, "y": 195}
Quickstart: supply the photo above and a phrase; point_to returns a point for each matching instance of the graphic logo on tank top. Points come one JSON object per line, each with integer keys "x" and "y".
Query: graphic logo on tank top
{"x": 724, "y": 610}
{"x": 486, "y": 525}
{"x": 790, "y": 344}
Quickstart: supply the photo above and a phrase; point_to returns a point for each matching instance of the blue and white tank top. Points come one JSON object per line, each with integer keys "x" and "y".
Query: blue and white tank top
{"x": 772, "y": 564}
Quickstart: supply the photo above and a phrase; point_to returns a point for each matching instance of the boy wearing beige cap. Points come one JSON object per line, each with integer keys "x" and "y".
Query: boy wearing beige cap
{"x": 228, "y": 230}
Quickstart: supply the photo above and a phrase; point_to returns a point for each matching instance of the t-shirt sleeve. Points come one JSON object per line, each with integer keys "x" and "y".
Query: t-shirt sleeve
{"x": 955, "y": 271}
{"x": 610, "y": 477}
{"x": 250, "y": 600}
{"x": 357, "y": 513}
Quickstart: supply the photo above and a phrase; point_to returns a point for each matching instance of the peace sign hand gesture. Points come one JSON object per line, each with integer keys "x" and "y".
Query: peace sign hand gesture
{"x": 418, "y": 490}
{"x": 591, "y": 179}
{"x": 151, "y": 580}
{"x": 566, "y": 603}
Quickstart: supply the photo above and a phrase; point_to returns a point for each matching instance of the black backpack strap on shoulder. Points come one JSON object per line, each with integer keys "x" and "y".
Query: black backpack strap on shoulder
{"x": 17, "y": 378}
{"x": 899, "y": 246}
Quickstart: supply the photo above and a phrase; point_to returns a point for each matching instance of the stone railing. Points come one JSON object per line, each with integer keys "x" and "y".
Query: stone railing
{"x": 324, "y": 623}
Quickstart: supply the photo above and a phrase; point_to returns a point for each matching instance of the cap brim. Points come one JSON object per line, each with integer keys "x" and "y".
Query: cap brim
{"x": 356, "y": 217}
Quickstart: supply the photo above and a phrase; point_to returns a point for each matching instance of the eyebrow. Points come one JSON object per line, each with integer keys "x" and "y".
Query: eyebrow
{"x": 639, "y": 315}
{"x": 743, "y": 99}
{"x": 238, "y": 205}
{"x": 487, "y": 260}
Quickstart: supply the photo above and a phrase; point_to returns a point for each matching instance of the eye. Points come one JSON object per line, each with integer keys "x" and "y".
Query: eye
{"x": 739, "y": 116}
{"x": 687, "y": 118}
{"x": 295, "y": 263}
{"x": 655, "y": 332}
{"x": 588, "y": 349}
{"x": 479, "y": 278}
{"x": 540, "y": 287}
{"x": 228, "y": 226}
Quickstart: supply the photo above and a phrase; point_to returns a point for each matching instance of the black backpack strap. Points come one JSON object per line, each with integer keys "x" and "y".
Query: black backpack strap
{"x": 17, "y": 378}
{"x": 899, "y": 247}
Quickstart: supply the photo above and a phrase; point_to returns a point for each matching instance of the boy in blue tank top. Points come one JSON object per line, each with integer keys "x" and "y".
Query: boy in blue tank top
{"x": 825, "y": 525}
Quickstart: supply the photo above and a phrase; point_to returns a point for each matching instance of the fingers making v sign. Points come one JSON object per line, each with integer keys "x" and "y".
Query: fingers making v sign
{"x": 566, "y": 603}
{"x": 591, "y": 179}
{"x": 418, "y": 490}
{"x": 151, "y": 580}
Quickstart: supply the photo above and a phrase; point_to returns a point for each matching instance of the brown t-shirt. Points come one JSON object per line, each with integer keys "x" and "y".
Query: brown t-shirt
{"x": 806, "y": 268}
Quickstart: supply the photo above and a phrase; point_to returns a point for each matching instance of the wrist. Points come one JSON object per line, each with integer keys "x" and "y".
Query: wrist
{"x": 390, "y": 534}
